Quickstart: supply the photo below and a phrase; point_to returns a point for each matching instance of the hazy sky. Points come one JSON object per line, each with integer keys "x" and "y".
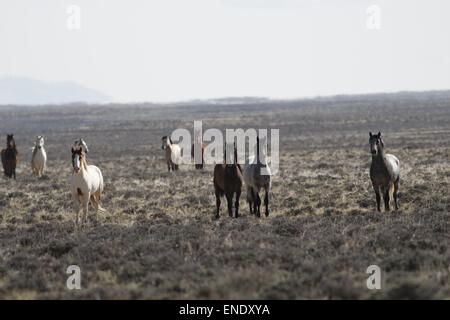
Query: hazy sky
{"x": 170, "y": 50}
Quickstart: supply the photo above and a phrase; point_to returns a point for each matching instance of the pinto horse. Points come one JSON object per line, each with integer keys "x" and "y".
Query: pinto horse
{"x": 10, "y": 157}
{"x": 87, "y": 185}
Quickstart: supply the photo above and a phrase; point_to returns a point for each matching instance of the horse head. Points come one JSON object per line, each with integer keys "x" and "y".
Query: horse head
{"x": 39, "y": 142}
{"x": 375, "y": 142}
{"x": 166, "y": 142}
{"x": 77, "y": 158}
{"x": 10, "y": 142}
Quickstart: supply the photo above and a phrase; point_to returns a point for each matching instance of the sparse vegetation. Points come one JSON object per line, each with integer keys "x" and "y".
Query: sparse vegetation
{"x": 159, "y": 239}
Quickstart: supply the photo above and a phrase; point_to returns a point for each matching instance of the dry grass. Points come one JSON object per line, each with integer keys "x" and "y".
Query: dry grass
{"x": 158, "y": 238}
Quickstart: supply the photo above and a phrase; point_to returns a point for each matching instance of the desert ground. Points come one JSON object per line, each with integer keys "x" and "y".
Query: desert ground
{"x": 158, "y": 238}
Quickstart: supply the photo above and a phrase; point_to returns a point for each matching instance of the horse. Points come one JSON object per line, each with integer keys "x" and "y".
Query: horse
{"x": 202, "y": 147}
{"x": 228, "y": 181}
{"x": 384, "y": 172}
{"x": 38, "y": 157}
{"x": 10, "y": 157}
{"x": 81, "y": 143}
{"x": 87, "y": 184}
{"x": 255, "y": 181}
{"x": 172, "y": 153}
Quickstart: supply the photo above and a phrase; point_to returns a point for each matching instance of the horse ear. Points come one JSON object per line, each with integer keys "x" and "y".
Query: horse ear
{"x": 379, "y": 134}
{"x": 370, "y": 134}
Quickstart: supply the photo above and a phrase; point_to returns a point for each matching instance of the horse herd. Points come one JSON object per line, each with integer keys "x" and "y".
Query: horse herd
{"x": 87, "y": 180}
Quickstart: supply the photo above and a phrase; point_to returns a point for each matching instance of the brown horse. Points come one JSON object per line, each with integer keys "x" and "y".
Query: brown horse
{"x": 228, "y": 180}
{"x": 384, "y": 172}
{"x": 10, "y": 157}
{"x": 202, "y": 146}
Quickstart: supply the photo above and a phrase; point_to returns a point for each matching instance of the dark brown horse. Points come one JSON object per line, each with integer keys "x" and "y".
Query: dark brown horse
{"x": 10, "y": 157}
{"x": 228, "y": 180}
{"x": 384, "y": 172}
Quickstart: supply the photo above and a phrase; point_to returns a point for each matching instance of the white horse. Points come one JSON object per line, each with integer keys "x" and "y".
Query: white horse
{"x": 87, "y": 184}
{"x": 256, "y": 177}
{"x": 172, "y": 153}
{"x": 38, "y": 157}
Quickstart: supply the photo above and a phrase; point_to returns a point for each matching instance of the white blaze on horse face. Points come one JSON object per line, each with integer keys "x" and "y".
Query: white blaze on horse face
{"x": 76, "y": 163}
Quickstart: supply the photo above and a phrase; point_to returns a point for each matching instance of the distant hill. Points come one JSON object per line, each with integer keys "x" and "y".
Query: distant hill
{"x": 225, "y": 101}
{"x": 25, "y": 91}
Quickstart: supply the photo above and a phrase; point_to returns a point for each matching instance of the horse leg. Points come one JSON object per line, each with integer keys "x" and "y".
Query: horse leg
{"x": 258, "y": 205}
{"x": 266, "y": 202}
{"x": 396, "y": 193}
{"x": 386, "y": 198}
{"x": 14, "y": 171}
{"x": 8, "y": 169}
{"x": 229, "y": 196}
{"x": 168, "y": 166}
{"x": 85, "y": 205}
{"x": 95, "y": 204}
{"x": 250, "y": 199}
{"x": 217, "y": 203}
{"x": 236, "y": 204}
{"x": 377, "y": 196}
{"x": 76, "y": 205}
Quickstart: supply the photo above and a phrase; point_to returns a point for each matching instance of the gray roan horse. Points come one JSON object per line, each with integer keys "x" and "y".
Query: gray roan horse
{"x": 384, "y": 172}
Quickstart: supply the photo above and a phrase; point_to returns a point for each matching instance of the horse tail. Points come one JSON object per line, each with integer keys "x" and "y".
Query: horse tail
{"x": 391, "y": 190}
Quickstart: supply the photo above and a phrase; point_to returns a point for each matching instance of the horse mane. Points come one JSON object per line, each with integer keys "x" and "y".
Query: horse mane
{"x": 83, "y": 159}
{"x": 79, "y": 150}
